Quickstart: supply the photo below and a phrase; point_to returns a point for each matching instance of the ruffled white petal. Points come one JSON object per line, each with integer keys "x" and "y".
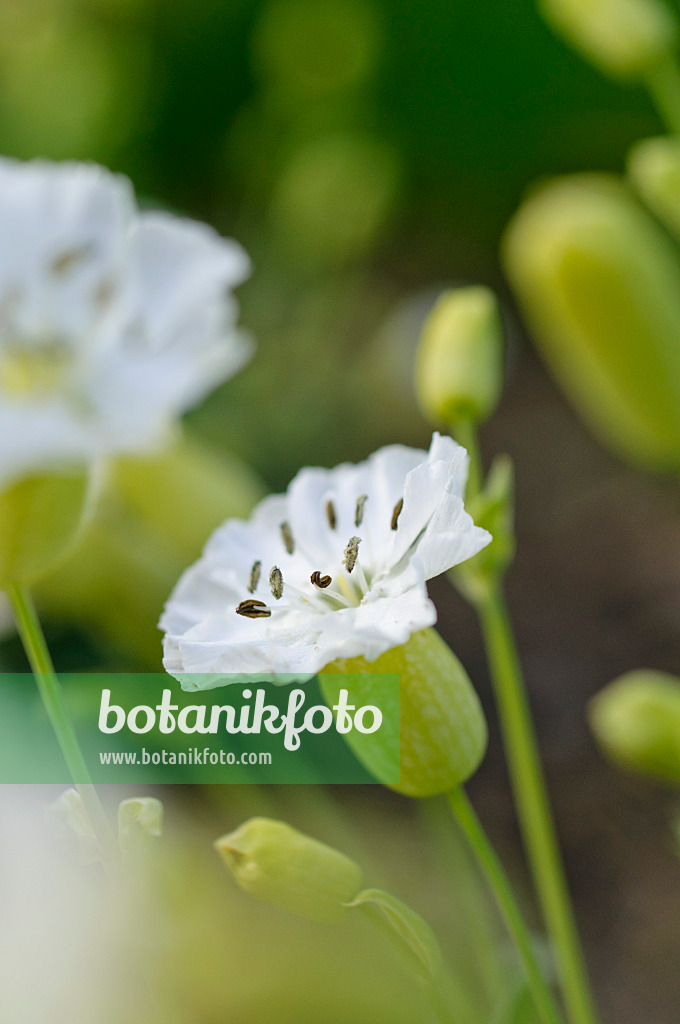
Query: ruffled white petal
{"x": 139, "y": 307}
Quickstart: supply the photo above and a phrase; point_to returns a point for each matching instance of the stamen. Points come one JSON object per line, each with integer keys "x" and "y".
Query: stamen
{"x": 68, "y": 259}
{"x": 351, "y": 553}
{"x": 359, "y": 512}
{"x": 276, "y": 582}
{"x": 330, "y": 512}
{"x": 396, "y": 513}
{"x": 254, "y": 577}
{"x": 287, "y": 537}
{"x": 253, "y": 609}
{"x": 320, "y": 581}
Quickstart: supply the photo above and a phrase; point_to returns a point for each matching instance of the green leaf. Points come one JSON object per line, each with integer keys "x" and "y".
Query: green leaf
{"x": 403, "y": 927}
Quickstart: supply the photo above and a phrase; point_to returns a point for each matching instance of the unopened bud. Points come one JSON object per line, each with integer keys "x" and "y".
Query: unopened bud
{"x": 654, "y": 169}
{"x": 636, "y": 721}
{"x": 40, "y": 517}
{"x": 276, "y": 863}
{"x": 138, "y": 819}
{"x": 459, "y": 364}
{"x": 69, "y": 812}
{"x": 443, "y": 729}
{"x": 599, "y": 283}
{"x": 623, "y": 38}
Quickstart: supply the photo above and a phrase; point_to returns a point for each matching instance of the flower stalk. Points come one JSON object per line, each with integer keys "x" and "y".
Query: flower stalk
{"x": 37, "y": 652}
{"x": 494, "y": 872}
{"x": 530, "y": 791}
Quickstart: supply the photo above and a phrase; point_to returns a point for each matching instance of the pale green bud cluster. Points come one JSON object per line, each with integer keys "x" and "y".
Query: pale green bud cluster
{"x": 636, "y": 721}
{"x": 624, "y": 38}
{"x": 459, "y": 364}
{"x": 599, "y": 283}
{"x": 274, "y": 862}
{"x": 443, "y": 729}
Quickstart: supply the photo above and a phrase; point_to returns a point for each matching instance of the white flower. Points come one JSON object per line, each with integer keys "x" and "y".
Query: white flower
{"x": 335, "y": 568}
{"x": 112, "y": 322}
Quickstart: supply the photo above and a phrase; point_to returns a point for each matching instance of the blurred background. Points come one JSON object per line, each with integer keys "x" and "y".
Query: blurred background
{"x": 368, "y": 153}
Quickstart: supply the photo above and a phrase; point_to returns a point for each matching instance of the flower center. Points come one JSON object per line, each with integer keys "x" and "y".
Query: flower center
{"x": 325, "y": 592}
{"x": 35, "y": 370}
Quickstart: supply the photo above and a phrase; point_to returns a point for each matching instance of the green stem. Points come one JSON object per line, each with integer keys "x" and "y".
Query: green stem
{"x": 533, "y": 806}
{"x": 465, "y": 433}
{"x": 528, "y": 782}
{"x": 663, "y": 84}
{"x": 494, "y": 872}
{"x": 37, "y": 652}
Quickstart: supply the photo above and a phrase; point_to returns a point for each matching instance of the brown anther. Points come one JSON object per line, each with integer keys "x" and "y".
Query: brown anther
{"x": 253, "y": 609}
{"x": 287, "y": 537}
{"x": 330, "y": 512}
{"x": 351, "y": 553}
{"x": 68, "y": 259}
{"x": 103, "y": 293}
{"x": 320, "y": 581}
{"x": 396, "y": 513}
{"x": 254, "y": 577}
{"x": 276, "y": 582}
{"x": 359, "y": 511}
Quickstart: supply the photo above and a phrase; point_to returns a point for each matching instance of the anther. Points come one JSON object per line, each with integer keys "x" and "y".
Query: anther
{"x": 254, "y": 577}
{"x": 359, "y": 512}
{"x": 330, "y": 512}
{"x": 351, "y": 553}
{"x": 320, "y": 581}
{"x": 287, "y": 537}
{"x": 253, "y": 609}
{"x": 396, "y": 513}
{"x": 276, "y": 582}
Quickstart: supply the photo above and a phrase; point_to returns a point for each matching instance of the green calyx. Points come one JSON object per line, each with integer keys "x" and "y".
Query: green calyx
{"x": 40, "y": 518}
{"x": 443, "y": 731}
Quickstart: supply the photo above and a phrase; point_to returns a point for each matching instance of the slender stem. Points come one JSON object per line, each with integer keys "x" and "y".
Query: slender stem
{"x": 528, "y": 782}
{"x": 533, "y": 806}
{"x": 494, "y": 872}
{"x": 466, "y": 434}
{"x": 37, "y": 652}
{"x": 663, "y": 84}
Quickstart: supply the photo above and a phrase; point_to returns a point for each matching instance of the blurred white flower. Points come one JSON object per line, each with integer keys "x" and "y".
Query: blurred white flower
{"x": 335, "y": 568}
{"x": 112, "y": 322}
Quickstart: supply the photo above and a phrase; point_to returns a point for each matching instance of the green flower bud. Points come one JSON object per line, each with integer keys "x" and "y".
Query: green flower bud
{"x": 443, "y": 729}
{"x": 138, "y": 819}
{"x": 623, "y": 38}
{"x": 459, "y": 364}
{"x": 40, "y": 517}
{"x": 654, "y": 168}
{"x": 68, "y": 812}
{"x": 277, "y": 864}
{"x": 636, "y": 721}
{"x": 599, "y": 283}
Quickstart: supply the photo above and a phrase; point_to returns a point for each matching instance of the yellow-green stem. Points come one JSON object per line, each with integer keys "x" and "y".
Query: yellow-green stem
{"x": 37, "y": 652}
{"x": 529, "y": 787}
{"x": 494, "y": 873}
